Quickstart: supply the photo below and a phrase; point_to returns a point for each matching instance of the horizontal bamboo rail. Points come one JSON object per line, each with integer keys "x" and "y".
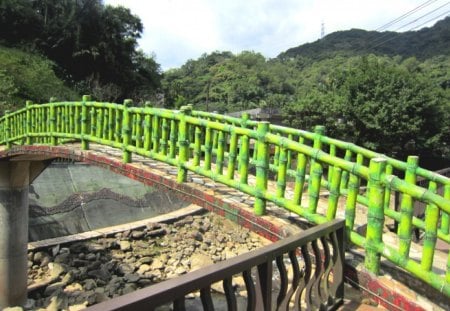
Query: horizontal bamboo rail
{"x": 228, "y": 150}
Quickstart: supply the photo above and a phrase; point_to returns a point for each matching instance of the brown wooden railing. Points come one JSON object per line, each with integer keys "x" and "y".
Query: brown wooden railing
{"x": 316, "y": 256}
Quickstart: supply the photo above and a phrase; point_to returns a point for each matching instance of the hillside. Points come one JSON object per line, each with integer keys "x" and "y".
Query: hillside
{"x": 422, "y": 44}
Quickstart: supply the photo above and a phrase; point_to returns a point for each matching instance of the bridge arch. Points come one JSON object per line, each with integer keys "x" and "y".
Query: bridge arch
{"x": 275, "y": 166}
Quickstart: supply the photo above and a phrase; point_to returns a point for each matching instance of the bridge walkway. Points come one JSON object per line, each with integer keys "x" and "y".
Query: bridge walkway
{"x": 238, "y": 205}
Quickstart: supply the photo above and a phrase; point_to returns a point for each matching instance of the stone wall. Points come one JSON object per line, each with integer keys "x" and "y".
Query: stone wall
{"x": 72, "y": 198}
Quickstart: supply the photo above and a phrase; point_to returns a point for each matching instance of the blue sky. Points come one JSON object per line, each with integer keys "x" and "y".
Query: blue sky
{"x": 178, "y": 30}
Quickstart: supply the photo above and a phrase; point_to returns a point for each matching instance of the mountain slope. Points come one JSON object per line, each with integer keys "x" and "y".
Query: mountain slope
{"x": 422, "y": 44}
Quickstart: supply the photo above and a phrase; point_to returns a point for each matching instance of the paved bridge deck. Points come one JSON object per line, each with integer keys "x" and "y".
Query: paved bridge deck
{"x": 220, "y": 199}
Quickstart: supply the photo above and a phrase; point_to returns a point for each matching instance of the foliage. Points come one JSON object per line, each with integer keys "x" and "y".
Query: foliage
{"x": 95, "y": 46}
{"x": 422, "y": 44}
{"x": 26, "y": 76}
{"x": 377, "y": 103}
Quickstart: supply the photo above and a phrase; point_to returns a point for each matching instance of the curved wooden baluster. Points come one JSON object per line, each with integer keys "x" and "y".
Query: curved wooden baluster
{"x": 250, "y": 287}
{"x": 205, "y": 296}
{"x": 324, "y": 281}
{"x": 229, "y": 294}
{"x": 305, "y": 280}
{"x": 295, "y": 281}
{"x": 336, "y": 289}
{"x": 178, "y": 304}
{"x": 312, "y": 289}
{"x": 283, "y": 280}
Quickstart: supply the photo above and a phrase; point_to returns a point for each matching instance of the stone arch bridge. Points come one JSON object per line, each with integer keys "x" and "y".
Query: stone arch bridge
{"x": 252, "y": 172}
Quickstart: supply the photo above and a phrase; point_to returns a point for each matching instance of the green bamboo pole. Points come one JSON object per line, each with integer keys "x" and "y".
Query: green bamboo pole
{"x": 126, "y": 130}
{"x": 53, "y": 125}
{"x": 67, "y": 118}
{"x": 147, "y": 127}
{"x": 299, "y": 178}
{"x": 138, "y": 117}
{"x": 72, "y": 119}
{"x": 99, "y": 125}
{"x": 344, "y": 178}
{"x": 93, "y": 121}
{"x": 445, "y": 219}
{"x": 77, "y": 118}
{"x": 7, "y": 129}
{"x": 330, "y": 167}
{"x": 276, "y": 155}
{"x": 208, "y": 148}
{"x": 375, "y": 215}
{"x": 316, "y": 172}
{"x": 232, "y": 155}
{"x": 105, "y": 124}
{"x": 244, "y": 152}
{"x": 220, "y": 153}
{"x": 289, "y": 153}
{"x": 431, "y": 225}
{"x": 183, "y": 144}
{"x": 281, "y": 173}
{"x": 84, "y": 120}
{"x": 197, "y": 146}
{"x": 352, "y": 195}
{"x": 164, "y": 136}
{"x": 262, "y": 166}
{"x": 406, "y": 208}
{"x": 118, "y": 129}
{"x": 387, "y": 191}
{"x": 110, "y": 125}
{"x": 334, "y": 193}
{"x": 155, "y": 133}
{"x": 173, "y": 139}
{"x": 29, "y": 140}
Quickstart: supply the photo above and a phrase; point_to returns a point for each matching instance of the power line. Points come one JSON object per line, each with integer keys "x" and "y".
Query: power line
{"x": 422, "y": 16}
{"x": 395, "y": 21}
{"x": 413, "y": 28}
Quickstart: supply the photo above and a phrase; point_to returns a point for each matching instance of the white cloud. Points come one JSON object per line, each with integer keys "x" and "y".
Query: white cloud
{"x": 177, "y": 30}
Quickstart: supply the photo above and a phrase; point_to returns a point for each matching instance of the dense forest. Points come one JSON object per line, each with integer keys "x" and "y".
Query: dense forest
{"x": 383, "y": 90}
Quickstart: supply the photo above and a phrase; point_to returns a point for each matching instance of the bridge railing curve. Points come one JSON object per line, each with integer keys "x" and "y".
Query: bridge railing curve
{"x": 291, "y": 168}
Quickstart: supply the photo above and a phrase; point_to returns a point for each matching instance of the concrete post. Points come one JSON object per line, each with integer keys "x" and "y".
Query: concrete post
{"x": 14, "y": 181}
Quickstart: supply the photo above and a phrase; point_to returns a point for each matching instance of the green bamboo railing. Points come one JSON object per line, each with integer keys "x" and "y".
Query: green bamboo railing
{"x": 229, "y": 150}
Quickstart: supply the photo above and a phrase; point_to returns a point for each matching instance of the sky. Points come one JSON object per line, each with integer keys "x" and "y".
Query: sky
{"x": 178, "y": 30}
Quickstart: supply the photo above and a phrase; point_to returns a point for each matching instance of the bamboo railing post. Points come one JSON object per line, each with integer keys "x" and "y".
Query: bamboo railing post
{"x": 244, "y": 152}
{"x": 99, "y": 125}
{"x": 164, "y": 136}
{"x": 281, "y": 172}
{"x": 7, "y": 129}
{"x": 316, "y": 172}
{"x": 147, "y": 127}
{"x": 126, "y": 131}
{"x": 232, "y": 156}
{"x": 173, "y": 139}
{"x": 84, "y": 119}
{"x": 208, "y": 148}
{"x": 352, "y": 195}
{"x": 406, "y": 209}
{"x": 375, "y": 215}
{"x": 139, "y": 130}
{"x": 53, "y": 140}
{"x": 431, "y": 226}
{"x": 445, "y": 220}
{"x": 197, "y": 146}
{"x": 220, "y": 153}
{"x": 117, "y": 129}
{"x": 183, "y": 144}
{"x": 334, "y": 192}
{"x": 344, "y": 178}
{"x": 262, "y": 167}
{"x": 29, "y": 140}
{"x": 300, "y": 173}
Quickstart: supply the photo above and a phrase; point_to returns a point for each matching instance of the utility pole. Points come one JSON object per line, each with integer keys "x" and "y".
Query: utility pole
{"x": 322, "y": 30}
